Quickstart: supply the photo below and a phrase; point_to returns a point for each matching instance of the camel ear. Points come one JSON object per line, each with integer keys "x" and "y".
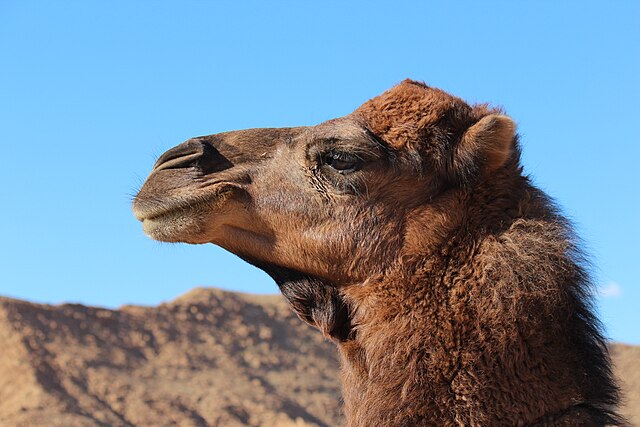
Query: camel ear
{"x": 485, "y": 146}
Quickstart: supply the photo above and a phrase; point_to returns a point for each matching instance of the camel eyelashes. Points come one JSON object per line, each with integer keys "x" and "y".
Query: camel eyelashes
{"x": 341, "y": 161}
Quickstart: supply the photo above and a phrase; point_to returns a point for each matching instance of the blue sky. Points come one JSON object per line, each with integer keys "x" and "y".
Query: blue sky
{"x": 91, "y": 92}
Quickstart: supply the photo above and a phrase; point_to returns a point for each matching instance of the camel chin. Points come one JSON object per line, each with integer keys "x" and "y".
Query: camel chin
{"x": 173, "y": 227}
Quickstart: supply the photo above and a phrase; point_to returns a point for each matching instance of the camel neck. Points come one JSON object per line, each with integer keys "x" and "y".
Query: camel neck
{"x": 472, "y": 344}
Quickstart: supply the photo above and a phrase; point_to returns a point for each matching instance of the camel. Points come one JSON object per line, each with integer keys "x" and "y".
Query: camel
{"x": 408, "y": 234}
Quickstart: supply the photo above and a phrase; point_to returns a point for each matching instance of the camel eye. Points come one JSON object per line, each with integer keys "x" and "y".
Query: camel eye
{"x": 341, "y": 161}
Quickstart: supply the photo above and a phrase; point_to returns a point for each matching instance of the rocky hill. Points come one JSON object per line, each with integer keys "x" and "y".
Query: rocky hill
{"x": 209, "y": 358}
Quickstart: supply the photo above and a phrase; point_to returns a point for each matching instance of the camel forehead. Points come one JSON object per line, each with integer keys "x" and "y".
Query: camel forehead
{"x": 343, "y": 128}
{"x": 398, "y": 115}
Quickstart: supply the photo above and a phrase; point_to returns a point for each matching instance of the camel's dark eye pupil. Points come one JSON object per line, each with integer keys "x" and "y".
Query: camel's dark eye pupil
{"x": 341, "y": 161}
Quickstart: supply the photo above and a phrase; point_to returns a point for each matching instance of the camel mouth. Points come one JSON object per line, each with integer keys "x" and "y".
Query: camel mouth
{"x": 155, "y": 208}
{"x": 180, "y": 220}
{"x": 173, "y": 210}
{"x": 159, "y": 211}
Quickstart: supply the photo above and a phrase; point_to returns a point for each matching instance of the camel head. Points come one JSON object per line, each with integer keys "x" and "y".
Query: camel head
{"x": 333, "y": 201}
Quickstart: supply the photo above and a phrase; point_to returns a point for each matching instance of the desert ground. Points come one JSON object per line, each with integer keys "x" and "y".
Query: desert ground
{"x": 208, "y": 358}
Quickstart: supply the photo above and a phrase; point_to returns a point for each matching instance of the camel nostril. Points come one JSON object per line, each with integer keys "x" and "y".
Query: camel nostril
{"x": 193, "y": 153}
{"x": 181, "y": 156}
{"x": 212, "y": 160}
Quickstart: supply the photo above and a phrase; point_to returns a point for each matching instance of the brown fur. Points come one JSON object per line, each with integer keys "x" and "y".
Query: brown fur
{"x": 455, "y": 291}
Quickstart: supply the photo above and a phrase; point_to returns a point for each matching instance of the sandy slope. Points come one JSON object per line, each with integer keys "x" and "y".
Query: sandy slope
{"x": 208, "y": 358}
{"x": 626, "y": 360}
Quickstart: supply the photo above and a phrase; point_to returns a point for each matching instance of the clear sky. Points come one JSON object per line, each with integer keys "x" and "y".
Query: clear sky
{"x": 91, "y": 92}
